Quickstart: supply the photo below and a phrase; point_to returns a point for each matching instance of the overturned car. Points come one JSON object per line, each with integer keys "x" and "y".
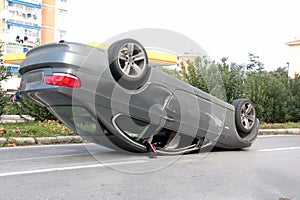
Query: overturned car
{"x": 116, "y": 99}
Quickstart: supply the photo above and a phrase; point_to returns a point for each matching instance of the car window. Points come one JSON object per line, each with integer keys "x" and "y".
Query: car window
{"x": 132, "y": 127}
{"x": 77, "y": 118}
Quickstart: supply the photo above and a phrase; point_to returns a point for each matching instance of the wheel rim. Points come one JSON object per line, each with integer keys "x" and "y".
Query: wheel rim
{"x": 132, "y": 60}
{"x": 248, "y": 116}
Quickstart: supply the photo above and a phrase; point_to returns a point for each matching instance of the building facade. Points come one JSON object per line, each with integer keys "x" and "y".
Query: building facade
{"x": 294, "y": 63}
{"x": 25, "y": 24}
{"x": 54, "y": 15}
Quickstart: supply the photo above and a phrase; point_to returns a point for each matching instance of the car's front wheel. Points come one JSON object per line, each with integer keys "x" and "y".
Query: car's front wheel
{"x": 128, "y": 63}
{"x": 245, "y": 115}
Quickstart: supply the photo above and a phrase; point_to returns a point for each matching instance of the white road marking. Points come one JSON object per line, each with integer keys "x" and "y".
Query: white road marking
{"x": 280, "y": 149}
{"x": 37, "y": 171}
{"x": 45, "y": 157}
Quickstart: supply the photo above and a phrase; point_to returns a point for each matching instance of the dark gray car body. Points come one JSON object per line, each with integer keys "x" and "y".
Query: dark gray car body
{"x": 163, "y": 103}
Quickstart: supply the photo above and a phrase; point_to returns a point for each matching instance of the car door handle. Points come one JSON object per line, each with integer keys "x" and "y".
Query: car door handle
{"x": 169, "y": 118}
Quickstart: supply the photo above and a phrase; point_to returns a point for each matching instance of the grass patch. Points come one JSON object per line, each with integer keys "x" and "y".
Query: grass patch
{"x": 49, "y": 128}
{"x": 280, "y": 125}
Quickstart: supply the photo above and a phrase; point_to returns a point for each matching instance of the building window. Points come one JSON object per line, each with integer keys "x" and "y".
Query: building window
{"x": 62, "y": 35}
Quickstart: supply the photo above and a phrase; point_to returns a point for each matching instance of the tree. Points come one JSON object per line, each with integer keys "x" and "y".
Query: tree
{"x": 294, "y": 98}
{"x": 281, "y": 94}
{"x": 5, "y": 73}
{"x": 172, "y": 72}
{"x": 271, "y": 94}
{"x": 233, "y": 77}
{"x": 36, "y": 111}
{"x": 223, "y": 80}
{"x": 193, "y": 73}
{"x": 275, "y": 96}
{"x": 255, "y": 64}
{"x": 257, "y": 85}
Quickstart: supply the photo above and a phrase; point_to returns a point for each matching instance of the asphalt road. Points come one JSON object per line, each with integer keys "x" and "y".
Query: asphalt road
{"x": 270, "y": 169}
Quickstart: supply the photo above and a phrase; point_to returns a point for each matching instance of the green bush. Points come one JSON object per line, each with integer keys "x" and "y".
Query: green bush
{"x": 12, "y": 108}
{"x": 28, "y": 108}
{"x": 36, "y": 111}
{"x": 3, "y": 101}
{"x": 276, "y": 96}
{"x": 4, "y": 74}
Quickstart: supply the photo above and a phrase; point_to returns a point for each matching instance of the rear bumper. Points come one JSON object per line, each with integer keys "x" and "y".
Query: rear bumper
{"x": 86, "y": 62}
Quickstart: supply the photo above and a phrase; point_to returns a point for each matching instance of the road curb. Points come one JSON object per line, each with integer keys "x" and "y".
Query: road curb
{"x": 21, "y": 140}
{"x": 14, "y": 141}
{"x": 69, "y": 139}
{"x": 279, "y": 131}
{"x": 46, "y": 140}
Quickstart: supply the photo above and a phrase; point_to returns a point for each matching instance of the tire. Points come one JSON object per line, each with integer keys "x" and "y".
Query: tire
{"x": 128, "y": 63}
{"x": 245, "y": 115}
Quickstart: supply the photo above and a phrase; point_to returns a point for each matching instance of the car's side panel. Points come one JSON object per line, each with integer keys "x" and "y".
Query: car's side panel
{"x": 216, "y": 117}
{"x": 193, "y": 115}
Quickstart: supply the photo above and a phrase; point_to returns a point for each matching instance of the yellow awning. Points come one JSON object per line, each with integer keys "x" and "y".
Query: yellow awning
{"x": 161, "y": 58}
{"x": 14, "y": 58}
{"x": 155, "y": 57}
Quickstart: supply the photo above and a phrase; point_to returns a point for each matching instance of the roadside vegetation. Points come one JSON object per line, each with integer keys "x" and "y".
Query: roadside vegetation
{"x": 286, "y": 125}
{"x": 49, "y": 128}
{"x": 28, "y": 108}
{"x": 4, "y": 74}
{"x": 276, "y": 96}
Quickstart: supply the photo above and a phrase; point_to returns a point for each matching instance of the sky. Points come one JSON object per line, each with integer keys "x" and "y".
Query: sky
{"x": 223, "y": 28}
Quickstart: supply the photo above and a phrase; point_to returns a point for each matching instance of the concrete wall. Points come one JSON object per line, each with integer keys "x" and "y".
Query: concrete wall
{"x": 294, "y": 63}
{"x": 295, "y": 60}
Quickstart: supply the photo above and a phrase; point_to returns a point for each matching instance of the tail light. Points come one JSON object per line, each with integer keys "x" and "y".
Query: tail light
{"x": 63, "y": 79}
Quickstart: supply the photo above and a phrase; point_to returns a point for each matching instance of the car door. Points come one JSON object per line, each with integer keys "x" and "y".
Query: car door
{"x": 144, "y": 116}
{"x": 193, "y": 114}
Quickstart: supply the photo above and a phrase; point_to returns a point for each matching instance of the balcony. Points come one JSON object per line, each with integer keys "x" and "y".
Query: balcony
{"x": 26, "y": 17}
{"x": 28, "y": 3}
{"x": 17, "y": 48}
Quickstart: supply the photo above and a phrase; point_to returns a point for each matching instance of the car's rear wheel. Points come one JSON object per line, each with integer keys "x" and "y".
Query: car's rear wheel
{"x": 245, "y": 115}
{"x": 128, "y": 63}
